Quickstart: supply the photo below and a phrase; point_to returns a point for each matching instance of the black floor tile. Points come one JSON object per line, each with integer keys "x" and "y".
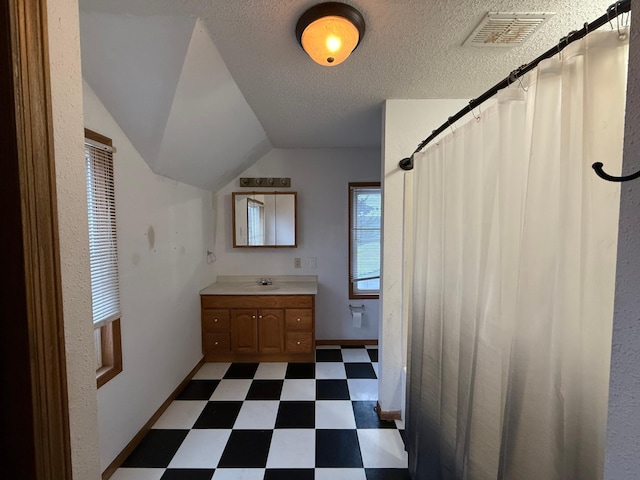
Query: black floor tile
{"x": 265, "y": 390}
{"x": 403, "y": 435}
{"x": 332, "y": 390}
{"x": 241, "y": 370}
{"x": 387, "y": 474}
{"x": 218, "y": 415}
{"x": 337, "y": 448}
{"x": 246, "y": 449}
{"x": 352, "y": 346}
{"x": 289, "y": 474}
{"x": 301, "y": 370}
{"x": 188, "y": 474}
{"x": 296, "y": 415}
{"x": 156, "y": 449}
{"x": 359, "y": 370}
{"x": 367, "y": 417}
{"x": 333, "y": 355}
{"x": 373, "y": 354}
{"x": 198, "y": 390}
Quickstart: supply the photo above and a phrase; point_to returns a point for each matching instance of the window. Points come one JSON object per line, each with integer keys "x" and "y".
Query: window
{"x": 103, "y": 255}
{"x": 364, "y": 240}
{"x": 255, "y": 221}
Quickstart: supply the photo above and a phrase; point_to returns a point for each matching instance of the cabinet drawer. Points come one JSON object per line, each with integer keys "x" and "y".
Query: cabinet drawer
{"x": 216, "y": 343}
{"x": 215, "y": 319}
{"x": 299, "y": 318}
{"x": 299, "y": 342}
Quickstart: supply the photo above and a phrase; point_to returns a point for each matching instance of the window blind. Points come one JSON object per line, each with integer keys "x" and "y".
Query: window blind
{"x": 102, "y": 234}
{"x": 365, "y": 238}
{"x": 255, "y": 222}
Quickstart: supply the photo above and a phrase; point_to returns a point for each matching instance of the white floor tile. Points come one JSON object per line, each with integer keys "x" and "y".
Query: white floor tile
{"x": 201, "y": 449}
{"x": 340, "y": 474}
{"x": 382, "y": 448}
{"x": 257, "y": 415}
{"x": 352, "y": 355}
{"x": 138, "y": 474}
{"x": 363, "y": 389}
{"x": 329, "y": 370}
{"x": 298, "y": 390}
{"x": 231, "y": 389}
{"x": 239, "y": 474}
{"x": 292, "y": 448}
{"x": 181, "y": 414}
{"x": 271, "y": 371}
{"x": 334, "y": 414}
{"x": 211, "y": 371}
{"x": 375, "y": 368}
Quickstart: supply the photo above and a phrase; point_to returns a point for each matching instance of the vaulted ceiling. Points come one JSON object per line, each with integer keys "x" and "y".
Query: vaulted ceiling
{"x": 204, "y": 88}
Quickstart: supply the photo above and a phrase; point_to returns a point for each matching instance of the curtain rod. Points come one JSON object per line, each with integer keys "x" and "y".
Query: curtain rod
{"x": 613, "y": 11}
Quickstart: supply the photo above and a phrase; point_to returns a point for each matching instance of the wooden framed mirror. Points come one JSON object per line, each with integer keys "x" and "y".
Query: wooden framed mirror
{"x": 264, "y": 219}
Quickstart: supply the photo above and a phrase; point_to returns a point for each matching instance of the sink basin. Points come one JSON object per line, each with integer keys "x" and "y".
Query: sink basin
{"x": 254, "y": 287}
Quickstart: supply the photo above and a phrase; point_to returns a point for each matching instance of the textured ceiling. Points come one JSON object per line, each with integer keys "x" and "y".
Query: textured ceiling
{"x": 411, "y": 49}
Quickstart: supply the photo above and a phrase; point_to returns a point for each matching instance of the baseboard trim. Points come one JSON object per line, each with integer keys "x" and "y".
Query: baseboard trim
{"x": 388, "y": 414}
{"x": 347, "y": 342}
{"x": 111, "y": 469}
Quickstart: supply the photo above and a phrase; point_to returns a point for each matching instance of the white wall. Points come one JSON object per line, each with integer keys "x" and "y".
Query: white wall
{"x": 321, "y": 178}
{"x": 164, "y": 230}
{"x": 622, "y": 461}
{"x": 66, "y": 102}
{"x": 405, "y": 124}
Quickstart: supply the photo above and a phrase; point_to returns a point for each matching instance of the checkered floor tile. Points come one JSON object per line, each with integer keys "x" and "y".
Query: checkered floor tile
{"x": 275, "y": 421}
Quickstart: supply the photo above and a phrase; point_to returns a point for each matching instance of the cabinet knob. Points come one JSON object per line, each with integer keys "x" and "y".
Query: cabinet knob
{"x": 215, "y": 343}
{"x": 298, "y": 319}
{"x": 215, "y": 319}
{"x": 298, "y": 343}
{"x": 253, "y": 316}
{"x": 259, "y": 316}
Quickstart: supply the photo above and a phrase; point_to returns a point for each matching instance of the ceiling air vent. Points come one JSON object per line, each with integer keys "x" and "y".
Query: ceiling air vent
{"x": 505, "y": 29}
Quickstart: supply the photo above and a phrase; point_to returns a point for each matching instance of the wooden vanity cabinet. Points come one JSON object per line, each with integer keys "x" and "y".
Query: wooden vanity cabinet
{"x": 254, "y": 328}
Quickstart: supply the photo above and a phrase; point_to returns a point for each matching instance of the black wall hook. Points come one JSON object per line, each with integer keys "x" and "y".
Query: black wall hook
{"x": 602, "y": 174}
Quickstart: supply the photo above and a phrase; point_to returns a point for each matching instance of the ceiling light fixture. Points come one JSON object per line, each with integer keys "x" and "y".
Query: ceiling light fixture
{"x": 329, "y": 32}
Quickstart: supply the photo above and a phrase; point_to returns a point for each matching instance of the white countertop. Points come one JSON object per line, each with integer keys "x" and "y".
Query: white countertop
{"x": 249, "y": 285}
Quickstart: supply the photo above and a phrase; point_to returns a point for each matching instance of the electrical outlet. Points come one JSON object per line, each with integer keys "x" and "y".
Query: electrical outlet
{"x": 313, "y": 263}
{"x": 297, "y": 262}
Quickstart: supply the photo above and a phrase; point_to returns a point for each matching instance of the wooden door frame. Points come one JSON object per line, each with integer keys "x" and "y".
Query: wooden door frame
{"x": 35, "y": 415}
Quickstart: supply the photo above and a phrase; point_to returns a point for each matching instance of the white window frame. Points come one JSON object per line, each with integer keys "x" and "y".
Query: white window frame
{"x": 363, "y": 284}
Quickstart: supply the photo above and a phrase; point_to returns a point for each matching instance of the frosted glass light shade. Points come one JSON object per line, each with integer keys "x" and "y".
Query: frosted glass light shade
{"x": 329, "y": 32}
{"x": 330, "y": 40}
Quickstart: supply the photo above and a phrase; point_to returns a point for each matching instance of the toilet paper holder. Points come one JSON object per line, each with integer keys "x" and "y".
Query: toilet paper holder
{"x": 356, "y": 308}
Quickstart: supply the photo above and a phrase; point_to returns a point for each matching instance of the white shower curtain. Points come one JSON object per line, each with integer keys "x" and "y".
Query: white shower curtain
{"x": 513, "y": 283}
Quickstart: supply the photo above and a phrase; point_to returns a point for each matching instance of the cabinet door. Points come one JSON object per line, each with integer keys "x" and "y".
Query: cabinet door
{"x": 299, "y": 319}
{"x": 215, "y": 320}
{"x": 244, "y": 331}
{"x": 270, "y": 330}
{"x": 216, "y": 342}
{"x": 299, "y": 342}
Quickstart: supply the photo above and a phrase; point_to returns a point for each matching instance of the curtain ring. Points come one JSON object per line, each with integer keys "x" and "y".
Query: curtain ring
{"x": 522, "y": 86}
{"x": 566, "y": 42}
{"x": 477, "y": 117}
{"x": 586, "y": 28}
{"x": 609, "y": 16}
{"x": 451, "y": 125}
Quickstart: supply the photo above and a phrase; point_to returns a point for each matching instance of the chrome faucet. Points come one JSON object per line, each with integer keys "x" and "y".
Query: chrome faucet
{"x": 265, "y": 281}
